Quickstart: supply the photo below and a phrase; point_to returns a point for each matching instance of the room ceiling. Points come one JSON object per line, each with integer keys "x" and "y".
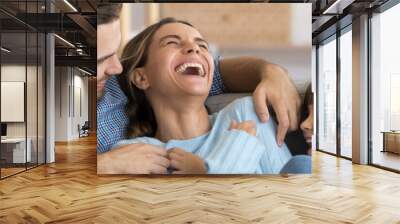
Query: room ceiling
{"x": 325, "y": 13}
{"x": 330, "y": 15}
{"x": 76, "y": 25}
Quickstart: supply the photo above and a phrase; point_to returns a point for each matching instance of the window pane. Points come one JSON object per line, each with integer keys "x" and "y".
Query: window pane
{"x": 14, "y": 150}
{"x": 327, "y": 97}
{"x": 345, "y": 94}
{"x": 23, "y": 79}
{"x": 385, "y": 86}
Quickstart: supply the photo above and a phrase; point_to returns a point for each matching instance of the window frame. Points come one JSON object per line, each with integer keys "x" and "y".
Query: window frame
{"x": 334, "y": 37}
{"x": 378, "y": 10}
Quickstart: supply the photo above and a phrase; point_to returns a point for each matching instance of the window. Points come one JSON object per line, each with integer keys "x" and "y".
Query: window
{"x": 22, "y": 75}
{"x": 327, "y": 97}
{"x": 346, "y": 93}
{"x": 394, "y": 101}
{"x": 385, "y": 88}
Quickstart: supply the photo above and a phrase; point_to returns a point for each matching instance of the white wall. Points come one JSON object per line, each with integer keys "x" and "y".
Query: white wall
{"x": 61, "y": 103}
{"x": 17, "y": 73}
{"x": 67, "y": 114}
{"x": 34, "y": 125}
{"x": 79, "y": 117}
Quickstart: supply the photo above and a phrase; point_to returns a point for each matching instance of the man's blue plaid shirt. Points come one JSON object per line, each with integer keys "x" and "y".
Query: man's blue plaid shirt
{"x": 112, "y": 119}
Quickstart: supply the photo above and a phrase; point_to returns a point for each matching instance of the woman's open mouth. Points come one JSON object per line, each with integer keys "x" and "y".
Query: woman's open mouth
{"x": 191, "y": 68}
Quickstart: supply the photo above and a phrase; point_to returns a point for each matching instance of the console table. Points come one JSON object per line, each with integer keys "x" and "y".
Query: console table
{"x": 13, "y": 150}
{"x": 391, "y": 141}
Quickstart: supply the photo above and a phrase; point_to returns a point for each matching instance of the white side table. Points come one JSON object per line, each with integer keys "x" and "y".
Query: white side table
{"x": 19, "y": 155}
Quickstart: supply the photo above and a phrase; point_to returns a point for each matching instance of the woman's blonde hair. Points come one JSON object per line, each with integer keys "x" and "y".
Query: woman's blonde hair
{"x": 142, "y": 121}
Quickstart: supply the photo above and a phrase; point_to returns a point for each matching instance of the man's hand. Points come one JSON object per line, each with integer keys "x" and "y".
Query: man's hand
{"x": 247, "y": 126}
{"x": 276, "y": 89}
{"x": 133, "y": 159}
{"x": 186, "y": 162}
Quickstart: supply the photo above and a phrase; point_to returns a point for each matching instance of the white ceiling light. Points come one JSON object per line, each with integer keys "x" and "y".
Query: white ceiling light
{"x": 79, "y": 51}
{"x": 65, "y": 41}
{"x": 337, "y": 7}
{"x": 70, "y": 5}
{"x": 86, "y": 72}
{"x": 5, "y": 50}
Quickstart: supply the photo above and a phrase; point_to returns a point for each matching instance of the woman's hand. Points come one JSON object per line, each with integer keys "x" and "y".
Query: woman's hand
{"x": 247, "y": 126}
{"x": 186, "y": 162}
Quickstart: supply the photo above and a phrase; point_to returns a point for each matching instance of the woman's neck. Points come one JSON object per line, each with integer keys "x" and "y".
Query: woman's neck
{"x": 180, "y": 120}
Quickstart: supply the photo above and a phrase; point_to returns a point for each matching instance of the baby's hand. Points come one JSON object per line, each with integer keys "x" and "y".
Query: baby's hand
{"x": 247, "y": 126}
{"x": 186, "y": 162}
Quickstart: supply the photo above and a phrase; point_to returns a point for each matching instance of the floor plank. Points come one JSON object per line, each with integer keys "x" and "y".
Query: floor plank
{"x": 69, "y": 191}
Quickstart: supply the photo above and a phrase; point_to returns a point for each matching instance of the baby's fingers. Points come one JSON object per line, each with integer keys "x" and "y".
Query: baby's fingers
{"x": 234, "y": 125}
{"x": 253, "y": 132}
{"x": 247, "y": 125}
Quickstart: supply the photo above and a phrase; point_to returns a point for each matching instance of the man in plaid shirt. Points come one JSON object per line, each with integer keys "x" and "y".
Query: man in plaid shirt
{"x": 271, "y": 85}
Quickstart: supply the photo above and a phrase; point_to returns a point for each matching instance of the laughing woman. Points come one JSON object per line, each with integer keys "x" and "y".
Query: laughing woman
{"x": 167, "y": 77}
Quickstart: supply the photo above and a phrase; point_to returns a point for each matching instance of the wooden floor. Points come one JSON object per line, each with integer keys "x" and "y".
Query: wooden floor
{"x": 69, "y": 191}
{"x": 5, "y": 172}
{"x": 10, "y": 171}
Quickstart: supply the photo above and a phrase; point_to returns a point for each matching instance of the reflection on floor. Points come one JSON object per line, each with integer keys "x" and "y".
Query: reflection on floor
{"x": 69, "y": 191}
{"x": 10, "y": 171}
{"x": 346, "y": 152}
{"x": 387, "y": 159}
{"x": 13, "y": 169}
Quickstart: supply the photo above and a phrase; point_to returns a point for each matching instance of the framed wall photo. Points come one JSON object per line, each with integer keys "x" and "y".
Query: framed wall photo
{"x": 12, "y": 101}
{"x": 180, "y": 48}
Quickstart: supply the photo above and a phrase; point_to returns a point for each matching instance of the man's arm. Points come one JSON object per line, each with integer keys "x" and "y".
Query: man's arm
{"x": 271, "y": 85}
{"x": 242, "y": 74}
{"x": 133, "y": 159}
